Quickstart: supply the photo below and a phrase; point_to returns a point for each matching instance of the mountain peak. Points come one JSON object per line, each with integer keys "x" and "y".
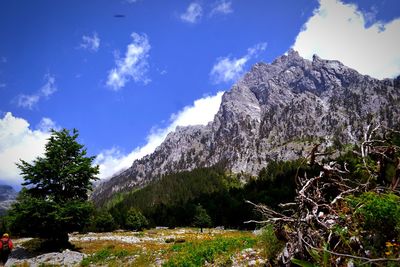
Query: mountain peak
{"x": 293, "y": 53}
{"x": 276, "y": 112}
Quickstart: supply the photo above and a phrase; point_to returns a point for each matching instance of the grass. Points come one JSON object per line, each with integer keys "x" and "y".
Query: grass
{"x": 172, "y": 247}
{"x": 197, "y": 253}
{"x": 269, "y": 243}
{"x": 110, "y": 255}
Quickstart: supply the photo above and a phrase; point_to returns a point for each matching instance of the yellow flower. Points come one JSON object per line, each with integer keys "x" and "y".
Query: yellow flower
{"x": 389, "y": 244}
{"x": 387, "y": 253}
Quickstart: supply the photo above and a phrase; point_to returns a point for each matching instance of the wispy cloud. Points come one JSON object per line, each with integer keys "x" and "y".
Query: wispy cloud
{"x": 229, "y": 69}
{"x": 342, "y": 32}
{"x": 134, "y": 66}
{"x": 201, "y": 112}
{"x": 19, "y": 141}
{"x": 46, "y": 124}
{"x": 30, "y": 101}
{"x": 193, "y": 13}
{"x": 49, "y": 87}
{"x": 27, "y": 101}
{"x": 3, "y": 85}
{"x": 221, "y": 7}
{"x": 3, "y": 60}
{"x": 90, "y": 43}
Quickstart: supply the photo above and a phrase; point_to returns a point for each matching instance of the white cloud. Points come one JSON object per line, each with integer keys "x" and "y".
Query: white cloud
{"x": 3, "y": 85}
{"x": 134, "y": 66}
{"x": 222, "y": 7}
{"x": 193, "y": 13}
{"x": 91, "y": 43}
{"x": 229, "y": 69}
{"x": 46, "y": 124}
{"x": 49, "y": 87}
{"x": 201, "y": 112}
{"x": 19, "y": 141}
{"x": 338, "y": 31}
{"x": 29, "y": 101}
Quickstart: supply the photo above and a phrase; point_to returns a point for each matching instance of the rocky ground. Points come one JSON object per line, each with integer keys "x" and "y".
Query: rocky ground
{"x": 148, "y": 248}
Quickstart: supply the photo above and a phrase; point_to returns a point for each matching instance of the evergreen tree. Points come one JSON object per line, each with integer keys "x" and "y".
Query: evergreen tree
{"x": 53, "y": 201}
{"x": 201, "y": 218}
{"x": 135, "y": 220}
{"x": 103, "y": 222}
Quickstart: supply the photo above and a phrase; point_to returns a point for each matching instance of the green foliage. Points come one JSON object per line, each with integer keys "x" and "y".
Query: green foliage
{"x": 196, "y": 254}
{"x": 104, "y": 256}
{"x": 379, "y": 215}
{"x": 321, "y": 257}
{"x": 64, "y": 173}
{"x": 201, "y": 218}
{"x": 269, "y": 242}
{"x": 36, "y": 217}
{"x": 172, "y": 200}
{"x": 54, "y": 201}
{"x": 103, "y": 222}
{"x": 302, "y": 263}
{"x": 135, "y": 220}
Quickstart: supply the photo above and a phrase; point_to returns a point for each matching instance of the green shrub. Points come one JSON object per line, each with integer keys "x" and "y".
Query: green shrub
{"x": 135, "y": 220}
{"x": 269, "y": 242}
{"x": 103, "y": 222}
{"x": 378, "y": 215}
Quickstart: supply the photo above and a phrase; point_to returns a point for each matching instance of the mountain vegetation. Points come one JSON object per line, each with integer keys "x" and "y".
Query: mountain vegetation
{"x": 174, "y": 200}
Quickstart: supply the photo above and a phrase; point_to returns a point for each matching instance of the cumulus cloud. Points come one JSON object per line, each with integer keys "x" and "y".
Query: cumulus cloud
{"x": 229, "y": 69}
{"x": 19, "y": 141}
{"x": 91, "y": 43}
{"x": 201, "y": 112}
{"x": 338, "y": 31}
{"x": 221, "y": 7}
{"x": 193, "y": 13}
{"x": 134, "y": 66}
{"x": 30, "y": 101}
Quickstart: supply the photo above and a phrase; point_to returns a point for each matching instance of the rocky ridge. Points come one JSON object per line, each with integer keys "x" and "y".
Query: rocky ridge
{"x": 7, "y": 197}
{"x": 276, "y": 111}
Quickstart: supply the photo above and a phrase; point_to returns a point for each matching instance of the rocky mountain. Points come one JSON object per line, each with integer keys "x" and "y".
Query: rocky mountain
{"x": 7, "y": 197}
{"x": 276, "y": 111}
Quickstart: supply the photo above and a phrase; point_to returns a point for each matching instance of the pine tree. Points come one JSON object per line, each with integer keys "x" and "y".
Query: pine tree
{"x": 135, "y": 220}
{"x": 201, "y": 218}
{"x": 53, "y": 201}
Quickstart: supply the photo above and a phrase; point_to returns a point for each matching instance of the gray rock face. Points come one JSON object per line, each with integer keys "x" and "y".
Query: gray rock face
{"x": 7, "y": 197}
{"x": 276, "y": 111}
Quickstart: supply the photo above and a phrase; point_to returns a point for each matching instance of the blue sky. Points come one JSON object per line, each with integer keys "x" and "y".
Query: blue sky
{"x": 125, "y": 72}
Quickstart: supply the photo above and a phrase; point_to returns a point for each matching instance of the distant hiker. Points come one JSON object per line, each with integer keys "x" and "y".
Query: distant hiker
{"x": 6, "y": 246}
